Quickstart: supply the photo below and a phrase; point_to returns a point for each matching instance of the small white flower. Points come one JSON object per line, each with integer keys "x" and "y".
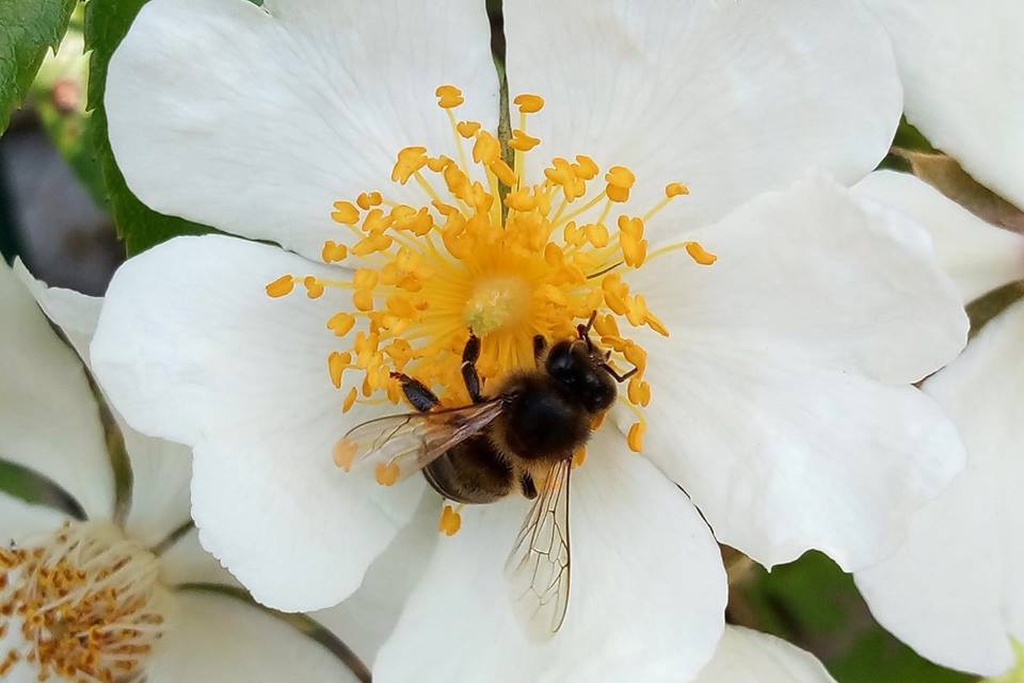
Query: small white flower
{"x": 963, "y": 76}
{"x": 780, "y": 402}
{"x": 746, "y": 656}
{"x": 103, "y": 598}
{"x": 954, "y": 591}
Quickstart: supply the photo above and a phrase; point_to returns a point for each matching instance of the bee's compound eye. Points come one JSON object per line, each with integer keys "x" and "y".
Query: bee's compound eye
{"x": 560, "y": 363}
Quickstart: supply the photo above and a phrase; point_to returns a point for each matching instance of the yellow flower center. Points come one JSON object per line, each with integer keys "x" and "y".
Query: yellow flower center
{"x": 490, "y": 253}
{"x": 85, "y": 602}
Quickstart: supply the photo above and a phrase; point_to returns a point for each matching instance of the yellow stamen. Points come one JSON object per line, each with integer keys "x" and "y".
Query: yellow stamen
{"x": 529, "y": 104}
{"x": 345, "y": 213}
{"x": 333, "y": 252}
{"x": 530, "y": 259}
{"x": 467, "y": 129}
{"x": 387, "y": 474}
{"x": 451, "y": 520}
{"x": 85, "y": 602}
{"x": 281, "y": 286}
{"x": 522, "y": 142}
{"x": 344, "y": 453}
{"x": 699, "y": 254}
{"x": 635, "y": 437}
{"x": 579, "y": 457}
{"x": 448, "y": 96}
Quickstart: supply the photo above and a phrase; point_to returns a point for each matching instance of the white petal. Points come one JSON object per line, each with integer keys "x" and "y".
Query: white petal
{"x": 161, "y": 472}
{"x": 746, "y": 656}
{"x": 218, "y": 638}
{"x": 160, "y": 469}
{"x": 76, "y": 314}
{"x": 49, "y": 420}
{"x": 196, "y": 352}
{"x": 809, "y": 268}
{"x": 20, "y": 520}
{"x": 730, "y": 98}
{"x": 980, "y": 257}
{"x": 186, "y": 562}
{"x": 648, "y": 589}
{"x": 781, "y": 455}
{"x": 255, "y": 120}
{"x": 963, "y": 75}
{"x": 367, "y": 617}
{"x": 766, "y": 406}
{"x": 954, "y": 592}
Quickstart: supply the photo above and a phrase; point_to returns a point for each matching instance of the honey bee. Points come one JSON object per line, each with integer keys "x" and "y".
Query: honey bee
{"x": 520, "y": 439}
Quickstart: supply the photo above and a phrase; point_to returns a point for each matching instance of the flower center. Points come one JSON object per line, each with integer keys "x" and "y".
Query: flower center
{"x": 491, "y": 253}
{"x": 497, "y": 303}
{"x": 85, "y": 602}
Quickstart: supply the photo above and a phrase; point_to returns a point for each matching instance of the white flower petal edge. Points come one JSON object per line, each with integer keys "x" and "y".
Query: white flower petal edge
{"x": 365, "y": 620}
{"x": 75, "y": 313}
{"x": 954, "y": 592}
{"x": 186, "y": 562}
{"x": 979, "y": 256}
{"x": 19, "y": 519}
{"x": 729, "y": 98}
{"x": 49, "y": 420}
{"x": 648, "y": 588}
{"x": 161, "y": 470}
{"x": 218, "y": 638}
{"x": 813, "y": 316}
{"x": 963, "y": 75}
{"x": 254, "y": 119}
{"x": 746, "y": 656}
{"x": 195, "y": 351}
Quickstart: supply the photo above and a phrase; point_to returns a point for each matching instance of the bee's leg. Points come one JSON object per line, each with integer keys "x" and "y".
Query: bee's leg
{"x": 470, "y": 355}
{"x": 539, "y": 345}
{"x": 528, "y": 486}
{"x": 421, "y": 398}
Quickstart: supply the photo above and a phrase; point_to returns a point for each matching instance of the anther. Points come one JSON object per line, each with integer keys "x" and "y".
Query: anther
{"x": 699, "y": 254}
{"x": 387, "y": 473}
{"x": 620, "y": 180}
{"x": 410, "y": 160}
{"x": 450, "y": 522}
{"x": 448, "y": 96}
{"x": 345, "y": 213}
{"x": 635, "y": 437}
{"x": 522, "y": 142}
{"x": 337, "y": 363}
{"x": 529, "y": 103}
{"x": 333, "y": 252}
{"x": 314, "y": 288}
{"x": 467, "y": 129}
{"x": 487, "y": 149}
{"x": 282, "y": 286}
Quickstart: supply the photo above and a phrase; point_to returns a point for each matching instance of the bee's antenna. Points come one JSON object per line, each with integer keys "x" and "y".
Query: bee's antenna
{"x": 619, "y": 378}
{"x": 584, "y": 330}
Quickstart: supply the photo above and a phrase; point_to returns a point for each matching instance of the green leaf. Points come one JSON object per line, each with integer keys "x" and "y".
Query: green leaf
{"x": 812, "y": 603}
{"x": 28, "y": 28}
{"x": 106, "y": 23}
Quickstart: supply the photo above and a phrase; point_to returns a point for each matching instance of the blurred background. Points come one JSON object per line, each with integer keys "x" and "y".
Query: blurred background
{"x": 54, "y": 215}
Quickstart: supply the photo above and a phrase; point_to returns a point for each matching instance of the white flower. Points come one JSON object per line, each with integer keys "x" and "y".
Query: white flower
{"x": 746, "y": 656}
{"x": 105, "y": 596}
{"x": 963, "y": 75}
{"x": 954, "y": 591}
{"x": 780, "y": 402}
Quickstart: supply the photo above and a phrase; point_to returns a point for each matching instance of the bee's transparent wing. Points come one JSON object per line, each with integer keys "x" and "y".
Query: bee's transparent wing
{"x": 537, "y": 569}
{"x": 400, "y": 445}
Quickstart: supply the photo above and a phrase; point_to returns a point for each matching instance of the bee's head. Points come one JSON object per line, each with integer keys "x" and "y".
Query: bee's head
{"x": 573, "y": 365}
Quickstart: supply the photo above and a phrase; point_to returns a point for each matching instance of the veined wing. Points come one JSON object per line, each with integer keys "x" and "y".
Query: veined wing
{"x": 400, "y": 445}
{"x": 537, "y": 569}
